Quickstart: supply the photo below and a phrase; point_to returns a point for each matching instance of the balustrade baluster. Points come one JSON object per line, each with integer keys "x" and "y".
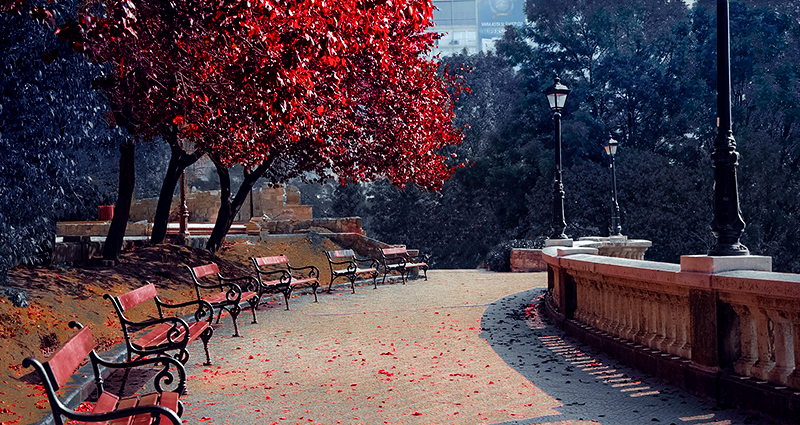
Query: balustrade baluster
{"x": 783, "y": 349}
{"x": 749, "y": 341}
{"x": 765, "y": 345}
{"x": 793, "y": 380}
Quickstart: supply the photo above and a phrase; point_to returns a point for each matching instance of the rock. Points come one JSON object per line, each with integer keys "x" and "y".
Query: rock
{"x": 18, "y": 297}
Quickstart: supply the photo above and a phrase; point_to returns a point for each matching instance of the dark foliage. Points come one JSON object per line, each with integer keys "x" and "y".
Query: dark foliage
{"x": 644, "y": 73}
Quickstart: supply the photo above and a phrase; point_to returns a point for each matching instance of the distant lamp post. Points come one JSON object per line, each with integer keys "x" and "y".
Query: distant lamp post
{"x": 557, "y": 98}
{"x": 183, "y": 213}
{"x": 727, "y": 224}
{"x": 611, "y": 151}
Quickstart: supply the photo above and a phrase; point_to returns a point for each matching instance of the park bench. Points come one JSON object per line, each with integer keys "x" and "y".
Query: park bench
{"x": 344, "y": 263}
{"x": 275, "y": 274}
{"x": 160, "y": 407}
{"x": 159, "y": 336}
{"x": 398, "y": 259}
{"x": 230, "y": 294}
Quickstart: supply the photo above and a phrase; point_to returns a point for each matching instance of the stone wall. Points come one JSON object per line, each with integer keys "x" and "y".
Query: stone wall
{"x": 527, "y": 260}
{"x": 322, "y": 225}
{"x": 204, "y": 205}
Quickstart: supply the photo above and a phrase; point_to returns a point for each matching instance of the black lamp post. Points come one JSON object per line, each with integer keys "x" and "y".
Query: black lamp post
{"x": 557, "y": 97}
{"x": 727, "y": 224}
{"x": 616, "y": 229}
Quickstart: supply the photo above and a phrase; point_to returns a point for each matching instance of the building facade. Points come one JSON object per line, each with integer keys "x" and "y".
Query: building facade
{"x": 473, "y": 25}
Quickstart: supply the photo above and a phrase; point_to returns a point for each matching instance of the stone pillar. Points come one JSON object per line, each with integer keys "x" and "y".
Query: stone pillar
{"x": 703, "y": 336}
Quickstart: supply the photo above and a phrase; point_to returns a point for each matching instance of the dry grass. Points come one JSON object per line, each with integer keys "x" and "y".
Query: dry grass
{"x": 59, "y": 295}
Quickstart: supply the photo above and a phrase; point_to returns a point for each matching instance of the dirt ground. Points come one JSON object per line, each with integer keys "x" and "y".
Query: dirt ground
{"x": 58, "y": 295}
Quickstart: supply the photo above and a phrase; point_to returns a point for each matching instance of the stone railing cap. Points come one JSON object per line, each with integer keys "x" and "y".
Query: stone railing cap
{"x": 713, "y": 265}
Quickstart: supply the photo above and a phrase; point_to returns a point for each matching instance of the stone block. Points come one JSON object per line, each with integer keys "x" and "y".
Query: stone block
{"x": 527, "y": 260}
{"x": 713, "y": 265}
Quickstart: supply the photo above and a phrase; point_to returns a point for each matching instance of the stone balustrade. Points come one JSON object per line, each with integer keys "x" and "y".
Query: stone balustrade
{"x": 707, "y": 311}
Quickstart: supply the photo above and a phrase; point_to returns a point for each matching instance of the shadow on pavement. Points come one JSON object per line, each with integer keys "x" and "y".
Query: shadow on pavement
{"x": 590, "y": 386}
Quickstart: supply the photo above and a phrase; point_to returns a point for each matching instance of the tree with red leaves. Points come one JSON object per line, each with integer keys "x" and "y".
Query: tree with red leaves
{"x": 339, "y": 89}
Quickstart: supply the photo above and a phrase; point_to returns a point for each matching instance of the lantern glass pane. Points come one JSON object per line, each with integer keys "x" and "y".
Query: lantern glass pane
{"x": 551, "y": 99}
{"x": 561, "y": 99}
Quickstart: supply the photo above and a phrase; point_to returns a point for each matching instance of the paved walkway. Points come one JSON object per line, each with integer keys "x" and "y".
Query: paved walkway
{"x": 463, "y": 347}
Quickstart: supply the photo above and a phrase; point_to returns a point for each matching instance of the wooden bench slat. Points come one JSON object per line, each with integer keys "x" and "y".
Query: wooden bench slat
{"x": 197, "y": 328}
{"x": 137, "y": 296}
{"x": 364, "y": 271}
{"x": 205, "y": 270}
{"x": 69, "y": 357}
{"x": 297, "y": 282}
{"x": 107, "y": 402}
{"x": 156, "y": 336}
{"x": 126, "y": 403}
{"x": 146, "y": 418}
{"x": 170, "y": 400}
{"x": 272, "y": 261}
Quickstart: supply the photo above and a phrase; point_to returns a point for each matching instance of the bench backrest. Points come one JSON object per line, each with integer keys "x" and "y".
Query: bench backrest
{"x": 342, "y": 253}
{"x": 203, "y": 271}
{"x": 394, "y": 251}
{"x": 137, "y": 296}
{"x": 271, "y": 261}
{"x": 68, "y": 359}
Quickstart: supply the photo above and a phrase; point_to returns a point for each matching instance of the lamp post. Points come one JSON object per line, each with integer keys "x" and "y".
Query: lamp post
{"x": 183, "y": 213}
{"x": 557, "y": 97}
{"x": 727, "y": 224}
{"x": 616, "y": 229}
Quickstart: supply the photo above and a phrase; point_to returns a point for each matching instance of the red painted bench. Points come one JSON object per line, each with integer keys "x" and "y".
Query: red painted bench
{"x": 230, "y": 293}
{"x": 344, "y": 263}
{"x": 160, "y": 407}
{"x": 275, "y": 274}
{"x": 164, "y": 334}
{"x": 397, "y": 259}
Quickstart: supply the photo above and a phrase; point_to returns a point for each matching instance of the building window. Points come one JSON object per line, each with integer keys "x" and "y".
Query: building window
{"x": 454, "y": 12}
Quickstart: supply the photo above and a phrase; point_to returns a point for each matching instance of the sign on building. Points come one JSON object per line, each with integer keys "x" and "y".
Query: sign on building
{"x": 494, "y": 15}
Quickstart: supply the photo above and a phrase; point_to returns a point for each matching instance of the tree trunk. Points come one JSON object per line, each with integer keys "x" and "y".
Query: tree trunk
{"x": 229, "y": 208}
{"x": 178, "y": 162}
{"x": 122, "y": 209}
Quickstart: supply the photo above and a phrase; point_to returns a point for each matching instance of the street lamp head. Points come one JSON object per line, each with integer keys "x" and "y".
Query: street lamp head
{"x": 557, "y": 95}
{"x": 611, "y": 147}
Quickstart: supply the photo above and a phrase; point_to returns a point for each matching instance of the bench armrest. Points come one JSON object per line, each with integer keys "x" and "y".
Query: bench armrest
{"x": 373, "y": 263}
{"x": 233, "y": 293}
{"x": 419, "y": 258}
{"x": 165, "y": 375}
{"x": 250, "y": 285}
{"x": 203, "y": 308}
{"x": 313, "y": 272}
{"x": 284, "y": 279}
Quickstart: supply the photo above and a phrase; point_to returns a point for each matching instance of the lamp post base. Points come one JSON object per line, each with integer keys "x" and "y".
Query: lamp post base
{"x": 551, "y": 241}
{"x": 728, "y": 250}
